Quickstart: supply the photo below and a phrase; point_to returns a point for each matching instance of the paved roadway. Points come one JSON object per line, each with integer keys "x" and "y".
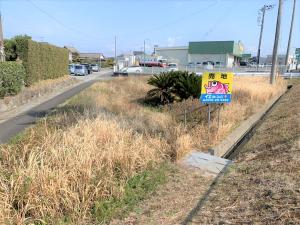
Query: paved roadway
{"x": 13, "y": 126}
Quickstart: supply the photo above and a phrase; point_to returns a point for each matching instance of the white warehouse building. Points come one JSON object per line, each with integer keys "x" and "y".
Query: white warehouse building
{"x": 224, "y": 53}
{"x": 174, "y": 54}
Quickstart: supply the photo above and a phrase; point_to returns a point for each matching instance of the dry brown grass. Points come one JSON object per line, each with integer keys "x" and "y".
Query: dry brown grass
{"x": 89, "y": 147}
{"x": 172, "y": 203}
{"x": 262, "y": 187}
{"x": 58, "y": 173}
{"x": 38, "y": 89}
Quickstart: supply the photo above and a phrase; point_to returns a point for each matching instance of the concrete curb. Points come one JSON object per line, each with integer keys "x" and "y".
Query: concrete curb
{"x": 233, "y": 140}
{"x": 228, "y": 150}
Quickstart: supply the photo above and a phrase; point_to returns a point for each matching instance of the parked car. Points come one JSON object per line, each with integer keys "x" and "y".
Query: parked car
{"x": 172, "y": 67}
{"x": 71, "y": 69}
{"x": 132, "y": 69}
{"x": 218, "y": 64}
{"x": 208, "y": 63}
{"x": 242, "y": 63}
{"x": 95, "y": 67}
{"x": 198, "y": 64}
{"x": 191, "y": 64}
{"x": 88, "y": 67}
{"x": 252, "y": 64}
{"x": 80, "y": 70}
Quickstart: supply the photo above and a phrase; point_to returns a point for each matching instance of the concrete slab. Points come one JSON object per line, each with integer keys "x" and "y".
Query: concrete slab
{"x": 206, "y": 162}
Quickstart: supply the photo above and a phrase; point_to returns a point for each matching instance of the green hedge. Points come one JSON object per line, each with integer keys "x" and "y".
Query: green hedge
{"x": 12, "y": 76}
{"x": 42, "y": 61}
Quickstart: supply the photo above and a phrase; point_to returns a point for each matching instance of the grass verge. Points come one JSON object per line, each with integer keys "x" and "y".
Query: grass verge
{"x": 75, "y": 164}
{"x": 262, "y": 187}
{"x": 41, "y": 88}
{"x": 137, "y": 188}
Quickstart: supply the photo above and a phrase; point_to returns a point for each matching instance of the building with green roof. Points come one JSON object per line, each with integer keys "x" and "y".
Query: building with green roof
{"x": 224, "y": 53}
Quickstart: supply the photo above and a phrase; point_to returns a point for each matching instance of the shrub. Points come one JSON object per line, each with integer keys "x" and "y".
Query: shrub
{"x": 42, "y": 61}
{"x": 174, "y": 85}
{"x": 14, "y": 47}
{"x": 21, "y": 45}
{"x": 10, "y": 48}
{"x": 164, "y": 84}
{"x": 109, "y": 62}
{"x": 12, "y": 76}
{"x": 187, "y": 85}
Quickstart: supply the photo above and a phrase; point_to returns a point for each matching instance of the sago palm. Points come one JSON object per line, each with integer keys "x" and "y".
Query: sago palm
{"x": 163, "y": 84}
{"x": 187, "y": 85}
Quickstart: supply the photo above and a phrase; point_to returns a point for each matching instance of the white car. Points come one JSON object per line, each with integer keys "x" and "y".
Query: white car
{"x": 132, "y": 69}
{"x": 191, "y": 64}
{"x": 95, "y": 67}
{"x": 80, "y": 70}
{"x": 172, "y": 67}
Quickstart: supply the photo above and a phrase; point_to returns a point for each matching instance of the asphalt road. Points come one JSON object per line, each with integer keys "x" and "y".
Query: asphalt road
{"x": 13, "y": 126}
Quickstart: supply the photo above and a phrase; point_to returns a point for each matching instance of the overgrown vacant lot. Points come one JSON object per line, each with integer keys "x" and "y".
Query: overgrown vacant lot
{"x": 104, "y": 150}
{"x": 263, "y": 186}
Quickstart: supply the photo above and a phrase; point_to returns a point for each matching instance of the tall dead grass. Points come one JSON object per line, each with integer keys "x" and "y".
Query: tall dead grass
{"x": 249, "y": 94}
{"x": 58, "y": 173}
{"x": 86, "y": 151}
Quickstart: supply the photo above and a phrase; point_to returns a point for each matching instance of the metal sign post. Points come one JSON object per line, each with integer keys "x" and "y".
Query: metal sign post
{"x": 208, "y": 117}
{"x": 219, "y": 109}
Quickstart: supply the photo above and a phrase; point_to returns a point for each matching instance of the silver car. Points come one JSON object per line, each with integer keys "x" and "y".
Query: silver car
{"x": 95, "y": 67}
{"x": 80, "y": 70}
{"x": 172, "y": 67}
{"x": 132, "y": 69}
{"x": 71, "y": 69}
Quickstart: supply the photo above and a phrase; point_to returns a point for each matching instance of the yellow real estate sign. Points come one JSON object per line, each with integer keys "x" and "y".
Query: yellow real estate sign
{"x": 216, "y": 87}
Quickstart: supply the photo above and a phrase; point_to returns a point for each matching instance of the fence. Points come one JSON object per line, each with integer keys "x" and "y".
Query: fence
{"x": 201, "y": 69}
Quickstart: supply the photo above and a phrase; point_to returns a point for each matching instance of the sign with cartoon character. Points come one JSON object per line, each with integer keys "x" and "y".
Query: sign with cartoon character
{"x": 216, "y": 87}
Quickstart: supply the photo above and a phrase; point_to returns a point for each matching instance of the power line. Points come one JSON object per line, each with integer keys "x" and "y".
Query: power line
{"x": 180, "y": 19}
{"x": 80, "y": 32}
{"x": 263, "y": 10}
{"x": 220, "y": 19}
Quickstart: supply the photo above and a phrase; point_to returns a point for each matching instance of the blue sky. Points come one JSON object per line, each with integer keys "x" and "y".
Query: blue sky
{"x": 90, "y": 25}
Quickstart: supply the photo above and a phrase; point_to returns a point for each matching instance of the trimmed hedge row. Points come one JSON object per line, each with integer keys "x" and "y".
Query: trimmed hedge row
{"x": 12, "y": 76}
{"x": 42, "y": 61}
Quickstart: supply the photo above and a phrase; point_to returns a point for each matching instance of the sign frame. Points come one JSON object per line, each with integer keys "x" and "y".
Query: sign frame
{"x": 216, "y": 87}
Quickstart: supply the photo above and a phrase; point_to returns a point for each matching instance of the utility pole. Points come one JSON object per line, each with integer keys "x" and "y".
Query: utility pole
{"x": 144, "y": 51}
{"x": 2, "y": 53}
{"x": 263, "y": 10}
{"x": 290, "y": 36}
{"x": 100, "y": 63}
{"x": 276, "y": 42}
{"x": 261, "y": 33}
{"x": 115, "y": 54}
